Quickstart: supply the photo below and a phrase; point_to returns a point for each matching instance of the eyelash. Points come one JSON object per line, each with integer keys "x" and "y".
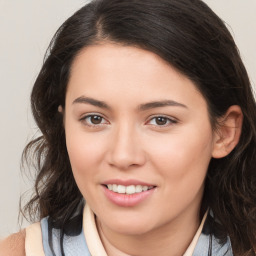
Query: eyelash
{"x": 83, "y": 119}
{"x": 170, "y": 121}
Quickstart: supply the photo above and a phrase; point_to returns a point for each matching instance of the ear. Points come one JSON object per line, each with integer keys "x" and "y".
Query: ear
{"x": 60, "y": 109}
{"x": 62, "y": 112}
{"x": 227, "y": 135}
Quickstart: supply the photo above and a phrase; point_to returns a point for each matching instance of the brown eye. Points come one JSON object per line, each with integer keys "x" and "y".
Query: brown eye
{"x": 161, "y": 120}
{"x": 96, "y": 119}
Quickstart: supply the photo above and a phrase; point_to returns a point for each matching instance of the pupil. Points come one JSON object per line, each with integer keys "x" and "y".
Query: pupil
{"x": 96, "y": 119}
{"x": 161, "y": 120}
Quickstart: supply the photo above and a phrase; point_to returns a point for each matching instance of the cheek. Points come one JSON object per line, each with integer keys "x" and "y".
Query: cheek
{"x": 84, "y": 153}
{"x": 84, "y": 156}
{"x": 183, "y": 162}
{"x": 183, "y": 158}
{"x": 81, "y": 152}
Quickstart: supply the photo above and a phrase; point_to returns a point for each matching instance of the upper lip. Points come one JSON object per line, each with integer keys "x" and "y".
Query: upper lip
{"x": 127, "y": 182}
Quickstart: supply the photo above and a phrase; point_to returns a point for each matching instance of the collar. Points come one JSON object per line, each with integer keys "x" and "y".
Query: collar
{"x": 95, "y": 245}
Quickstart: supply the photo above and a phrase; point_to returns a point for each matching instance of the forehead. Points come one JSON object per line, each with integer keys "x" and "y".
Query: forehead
{"x": 118, "y": 59}
{"x": 108, "y": 70}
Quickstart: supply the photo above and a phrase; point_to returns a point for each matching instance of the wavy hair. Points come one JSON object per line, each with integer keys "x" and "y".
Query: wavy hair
{"x": 193, "y": 39}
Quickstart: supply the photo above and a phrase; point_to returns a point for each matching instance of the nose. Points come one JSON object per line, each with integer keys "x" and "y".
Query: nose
{"x": 126, "y": 149}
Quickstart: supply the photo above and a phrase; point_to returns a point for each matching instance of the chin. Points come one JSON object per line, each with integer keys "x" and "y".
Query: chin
{"x": 132, "y": 227}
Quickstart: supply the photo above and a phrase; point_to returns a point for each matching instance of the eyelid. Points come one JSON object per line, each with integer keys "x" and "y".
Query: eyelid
{"x": 87, "y": 115}
{"x": 172, "y": 120}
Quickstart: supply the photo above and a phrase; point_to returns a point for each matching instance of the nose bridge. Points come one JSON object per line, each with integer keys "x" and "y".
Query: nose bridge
{"x": 126, "y": 149}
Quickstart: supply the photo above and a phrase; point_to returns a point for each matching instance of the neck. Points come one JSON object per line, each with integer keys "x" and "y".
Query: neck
{"x": 172, "y": 239}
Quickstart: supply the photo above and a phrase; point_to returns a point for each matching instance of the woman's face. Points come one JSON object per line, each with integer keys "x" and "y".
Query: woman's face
{"x": 136, "y": 125}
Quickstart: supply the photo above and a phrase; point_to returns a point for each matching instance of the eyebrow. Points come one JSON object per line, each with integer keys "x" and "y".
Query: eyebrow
{"x": 91, "y": 101}
{"x": 142, "y": 107}
{"x": 159, "y": 104}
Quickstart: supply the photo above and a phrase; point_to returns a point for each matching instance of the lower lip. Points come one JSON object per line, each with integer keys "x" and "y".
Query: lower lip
{"x": 125, "y": 200}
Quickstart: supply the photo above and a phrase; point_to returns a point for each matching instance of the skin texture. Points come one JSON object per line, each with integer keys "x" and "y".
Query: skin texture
{"x": 126, "y": 142}
{"x": 13, "y": 245}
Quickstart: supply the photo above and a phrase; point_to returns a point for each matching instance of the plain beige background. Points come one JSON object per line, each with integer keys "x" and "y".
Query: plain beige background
{"x": 26, "y": 27}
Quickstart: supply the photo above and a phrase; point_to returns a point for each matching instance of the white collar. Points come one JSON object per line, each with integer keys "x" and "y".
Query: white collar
{"x": 95, "y": 245}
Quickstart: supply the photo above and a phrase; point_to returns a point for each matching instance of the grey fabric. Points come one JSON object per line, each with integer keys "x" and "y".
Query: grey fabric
{"x": 205, "y": 242}
{"x": 73, "y": 245}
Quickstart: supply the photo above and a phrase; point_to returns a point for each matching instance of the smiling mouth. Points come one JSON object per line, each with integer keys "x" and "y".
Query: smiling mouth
{"x": 128, "y": 190}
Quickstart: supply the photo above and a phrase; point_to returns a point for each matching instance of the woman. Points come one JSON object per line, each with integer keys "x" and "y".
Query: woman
{"x": 148, "y": 135}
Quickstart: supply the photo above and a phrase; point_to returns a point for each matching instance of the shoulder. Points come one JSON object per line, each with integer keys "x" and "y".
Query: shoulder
{"x": 14, "y": 245}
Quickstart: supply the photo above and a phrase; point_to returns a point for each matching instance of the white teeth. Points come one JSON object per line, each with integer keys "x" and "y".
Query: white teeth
{"x": 138, "y": 189}
{"x": 144, "y": 188}
{"x": 132, "y": 189}
{"x": 121, "y": 189}
{"x": 114, "y": 188}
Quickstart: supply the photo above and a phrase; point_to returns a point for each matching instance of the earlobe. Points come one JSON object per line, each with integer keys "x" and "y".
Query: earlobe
{"x": 228, "y": 132}
{"x": 60, "y": 109}
{"x": 62, "y": 112}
